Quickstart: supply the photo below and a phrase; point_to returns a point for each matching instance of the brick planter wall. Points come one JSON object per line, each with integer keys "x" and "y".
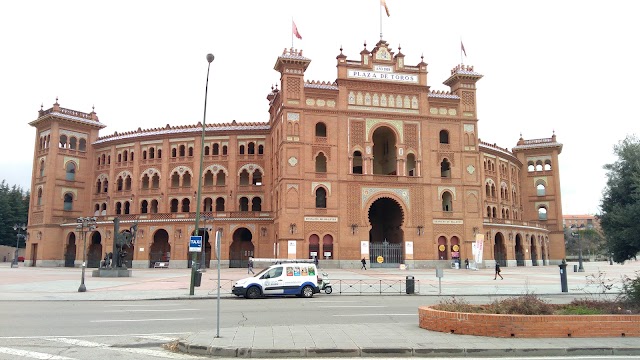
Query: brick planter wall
{"x": 551, "y": 326}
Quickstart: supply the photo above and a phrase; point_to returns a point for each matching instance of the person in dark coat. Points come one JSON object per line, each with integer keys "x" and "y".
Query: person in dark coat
{"x": 364, "y": 264}
{"x": 497, "y": 272}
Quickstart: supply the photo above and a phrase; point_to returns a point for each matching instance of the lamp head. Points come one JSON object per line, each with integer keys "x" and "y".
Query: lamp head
{"x": 209, "y": 58}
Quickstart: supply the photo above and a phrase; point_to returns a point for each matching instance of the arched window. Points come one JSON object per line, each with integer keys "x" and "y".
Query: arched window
{"x": 494, "y": 211}
{"x": 208, "y": 178}
{"x": 244, "y": 204}
{"x": 42, "y": 168}
{"x": 220, "y": 204}
{"x": 159, "y": 154}
{"x": 224, "y": 150}
{"x": 321, "y": 163}
{"x": 541, "y": 190}
{"x": 119, "y": 184}
{"x": 244, "y": 177}
{"x": 447, "y": 203}
{"x": 126, "y": 156}
{"x": 186, "y": 204}
{"x": 119, "y": 158}
{"x": 151, "y": 153}
{"x": 542, "y": 213}
{"x": 547, "y": 165}
{"x": 257, "y": 177}
{"x": 71, "y": 171}
{"x": 82, "y": 145}
{"x": 144, "y": 154}
{"x": 39, "y": 197}
{"x": 216, "y": 149}
{"x": 174, "y": 152}
{"x": 68, "y": 202}
{"x": 208, "y": 204}
{"x": 260, "y": 149}
{"x": 145, "y": 181}
{"x": 174, "y": 205}
{"x": 63, "y": 141}
{"x": 539, "y": 166}
{"x": 411, "y": 165}
{"x": 220, "y": 178}
{"x": 154, "y": 206}
{"x": 155, "y": 181}
{"x": 251, "y": 148}
{"x": 175, "y": 179}
{"x": 127, "y": 207}
{"x": 105, "y": 185}
{"x": 321, "y": 130}
{"x": 241, "y": 150}
{"x": 144, "y": 207}
{"x": 127, "y": 183}
{"x": 444, "y": 137}
{"x": 181, "y": 150}
{"x": 357, "y": 162}
{"x": 488, "y": 211}
{"x": 445, "y": 168}
{"x": 73, "y": 142}
{"x": 190, "y": 151}
{"x": 256, "y": 204}
{"x": 186, "y": 179}
{"x": 321, "y": 198}
{"x": 206, "y": 150}
{"x": 118, "y": 208}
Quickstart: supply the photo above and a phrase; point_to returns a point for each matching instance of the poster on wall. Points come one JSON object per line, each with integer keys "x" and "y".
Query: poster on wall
{"x": 364, "y": 248}
{"x": 479, "y": 248}
{"x": 291, "y": 249}
{"x": 408, "y": 250}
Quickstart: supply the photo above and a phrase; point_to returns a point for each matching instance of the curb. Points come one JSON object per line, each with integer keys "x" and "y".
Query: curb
{"x": 386, "y": 352}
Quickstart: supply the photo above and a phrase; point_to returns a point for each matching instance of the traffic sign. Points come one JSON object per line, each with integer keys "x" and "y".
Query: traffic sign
{"x": 195, "y": 244}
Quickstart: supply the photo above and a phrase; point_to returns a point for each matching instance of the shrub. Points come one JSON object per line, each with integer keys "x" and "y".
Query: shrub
{"x": 631, "y": 290}
{"x": 528, "y": 304}
{"x": 456, "y": 305}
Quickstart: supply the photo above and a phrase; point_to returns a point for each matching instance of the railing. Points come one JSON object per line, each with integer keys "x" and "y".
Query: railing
{"x": 344, "y": 287}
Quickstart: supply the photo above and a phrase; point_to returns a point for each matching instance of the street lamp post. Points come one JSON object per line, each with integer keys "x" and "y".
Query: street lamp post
{"x": 204, "y": 119}
{"x": 577, "y": 235}
{"x": 18, "y": 227}
{"x": 83, "y": 223}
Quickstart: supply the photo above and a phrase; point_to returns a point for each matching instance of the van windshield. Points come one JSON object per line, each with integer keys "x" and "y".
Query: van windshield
{"x": 261, "y": 272}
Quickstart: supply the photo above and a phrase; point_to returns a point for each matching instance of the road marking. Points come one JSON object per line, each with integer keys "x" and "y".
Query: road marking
{"x": 147, "y": 305}
{"x": 377, "y": 315}
{"x": 149, "y": 310}
{"x": 334, "y": 301}
{"x": 141, "y": 320}
{"x": 92, "y": 335}
{"x": 148, "y": 352}
{"x": 155, "y": 337}
{"x": 32, "y": 354}
{"x": 353, "y": 306}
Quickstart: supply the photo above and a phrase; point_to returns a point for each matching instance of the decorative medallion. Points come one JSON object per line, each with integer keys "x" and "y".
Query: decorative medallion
{"x": 293, "y": 161}
{"x": 441, "y": 247}
{"x": 471, "y": 169}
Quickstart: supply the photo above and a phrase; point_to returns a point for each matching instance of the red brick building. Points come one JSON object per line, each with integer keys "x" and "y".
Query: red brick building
{"x": 374, "y": 164}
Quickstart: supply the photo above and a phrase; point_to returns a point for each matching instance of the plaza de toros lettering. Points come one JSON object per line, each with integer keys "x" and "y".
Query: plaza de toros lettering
{"x": 383, "y": 76}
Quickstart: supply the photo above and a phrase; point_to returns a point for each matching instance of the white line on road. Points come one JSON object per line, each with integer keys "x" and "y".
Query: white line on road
{"x": 378, "y": 315}
{"x": 91, "y": 335}
{"x": 334, "y": 301}
{"x": 149, "y": 310}
{"x": 353, "y": 306}
{"x": 141, "y": 320}
{"x": 147, "y": 305}
{"x": 32, "y": 354}
{"x": 148, "y": 352}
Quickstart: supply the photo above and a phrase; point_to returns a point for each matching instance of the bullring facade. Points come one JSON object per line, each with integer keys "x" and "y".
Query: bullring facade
{"x": 374, "y": 164}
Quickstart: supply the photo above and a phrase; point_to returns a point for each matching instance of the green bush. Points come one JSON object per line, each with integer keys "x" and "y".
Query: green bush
{"x": 578, "y": 310}
{"x": 631, "y": 290}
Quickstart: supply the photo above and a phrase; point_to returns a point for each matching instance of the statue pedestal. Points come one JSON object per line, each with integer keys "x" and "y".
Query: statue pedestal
{"x": 111, "y": 273}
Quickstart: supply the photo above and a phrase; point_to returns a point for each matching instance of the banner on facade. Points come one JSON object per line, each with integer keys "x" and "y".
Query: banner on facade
{"x": 479, "y": 247}
{"x": 291, "y": 249}
{"x": 364, "y": 248}
{"x": 408, "y": 250}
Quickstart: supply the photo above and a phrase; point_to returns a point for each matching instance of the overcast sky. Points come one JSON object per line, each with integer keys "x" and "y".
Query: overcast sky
{"x": 563, "y": 66}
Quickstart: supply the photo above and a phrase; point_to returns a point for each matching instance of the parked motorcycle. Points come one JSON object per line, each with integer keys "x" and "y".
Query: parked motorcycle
{"x": 325, "y": 284}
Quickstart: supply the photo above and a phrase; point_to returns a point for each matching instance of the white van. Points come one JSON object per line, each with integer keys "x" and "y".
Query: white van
{"x": 300, "y": 279}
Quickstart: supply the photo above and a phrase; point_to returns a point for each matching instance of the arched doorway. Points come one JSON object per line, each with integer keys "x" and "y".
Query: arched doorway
{"x": 70, "y": 251}
{"x": 314, "y": 246}
{"x": 519, "y": 251}
{"x": 241, "y": 248}
{"x": 160, "y": 250}
{"x": 206, "y": 247}
{"x": 543, "y": 252}
{"x": 94, "y": 253}
{"x": 455, "y": 249}
{"x": 384, "y": 151}
{"x": 500, "y": 250}
{"x": 386, "y": 235}
{"x": 327, "y": 247}
{"x": 534, "y": 252}
{"x": 442, "y": 248}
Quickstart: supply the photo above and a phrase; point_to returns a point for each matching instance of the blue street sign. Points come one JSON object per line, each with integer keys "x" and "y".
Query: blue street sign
{"x": 195, "y": 244}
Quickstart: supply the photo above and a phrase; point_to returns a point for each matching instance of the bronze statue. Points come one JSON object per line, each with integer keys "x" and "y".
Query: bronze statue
{"x": 122, "y": 240}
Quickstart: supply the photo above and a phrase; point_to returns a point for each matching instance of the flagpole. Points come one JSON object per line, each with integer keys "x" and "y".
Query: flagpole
{"x": 461, "y": 63}
{"x": 380, "y": 7}
{"x": 292, "y": 32}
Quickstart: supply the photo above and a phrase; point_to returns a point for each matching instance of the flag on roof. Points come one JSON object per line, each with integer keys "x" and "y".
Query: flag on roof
{"x": 386, "y": 9}
{"x": 295, "y": 30}
{"x": 462, "y": 48}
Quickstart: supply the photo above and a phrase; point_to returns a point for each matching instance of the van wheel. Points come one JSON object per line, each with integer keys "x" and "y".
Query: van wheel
{"x": 253, "y": 293}
{"x": 307, "y": 291}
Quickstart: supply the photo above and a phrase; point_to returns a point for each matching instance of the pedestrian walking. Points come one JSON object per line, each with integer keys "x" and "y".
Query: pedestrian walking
{"x": 315, "y": 260}
{"x": 466, "y": 263}
{"x": 364, "y": 264}
{"x": 497, "y": 272}
{"x": 250, "y": 266}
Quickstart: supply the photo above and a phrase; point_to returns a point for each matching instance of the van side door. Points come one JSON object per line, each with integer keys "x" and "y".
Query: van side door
{"x": 273, "y": 281}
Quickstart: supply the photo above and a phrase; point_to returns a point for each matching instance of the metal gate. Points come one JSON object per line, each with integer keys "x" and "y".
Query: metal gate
{"x": 391, "y": 254}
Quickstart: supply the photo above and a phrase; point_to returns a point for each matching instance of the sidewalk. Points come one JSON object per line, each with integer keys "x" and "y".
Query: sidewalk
{"x": 352, "y": 340}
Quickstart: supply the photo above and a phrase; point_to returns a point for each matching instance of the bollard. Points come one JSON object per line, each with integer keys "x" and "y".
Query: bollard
{"x": 575, "y": 268}
{"x": 198, "y": 279}
{"x": 563, "y": 276}
{"x": 411, "y": 285}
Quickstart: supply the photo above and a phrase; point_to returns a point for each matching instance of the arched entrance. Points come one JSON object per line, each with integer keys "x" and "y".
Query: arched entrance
{"x": 314, "y": 246}
{"x": 241, "y": 248}
{"x": 160, "y": 250}
{"x": 206, "y": 247}
{"x": 442, "y": 248}
{"x": 70, "y": 251}
{"x": 386, "y": 235}
{"x": 534, "y": 252}
{"x": 94, "y": 253}
{"x": 500, "y": 250}
{"x": 519, "y": 251}
{"x": 543, "y": 252}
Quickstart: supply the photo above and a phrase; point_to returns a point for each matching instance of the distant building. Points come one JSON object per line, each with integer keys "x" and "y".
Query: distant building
{"x": 581, "y": 221}
{"x": 374, "y": 164}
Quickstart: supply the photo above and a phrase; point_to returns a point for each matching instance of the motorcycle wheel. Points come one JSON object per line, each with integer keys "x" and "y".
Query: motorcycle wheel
{"x": 328, "y": 290}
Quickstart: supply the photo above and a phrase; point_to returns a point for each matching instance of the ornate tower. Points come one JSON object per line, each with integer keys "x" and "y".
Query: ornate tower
{"x": 61, "y": 181}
